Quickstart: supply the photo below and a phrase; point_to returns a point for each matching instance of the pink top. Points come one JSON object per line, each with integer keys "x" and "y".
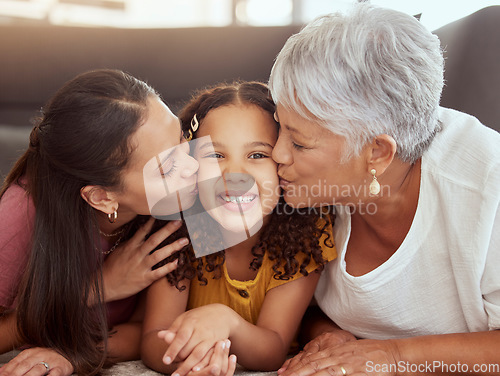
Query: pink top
{"x": 17, "y": 218}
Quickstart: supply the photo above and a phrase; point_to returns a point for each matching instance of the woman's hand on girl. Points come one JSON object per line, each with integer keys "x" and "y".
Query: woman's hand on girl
{"x": 34, "y": 362}
{"x": 128, "y": 269}
{"x": 194, "y": 333}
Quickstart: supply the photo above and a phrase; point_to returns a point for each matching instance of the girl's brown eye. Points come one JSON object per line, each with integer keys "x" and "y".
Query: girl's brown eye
{"x": 258, "y": 156}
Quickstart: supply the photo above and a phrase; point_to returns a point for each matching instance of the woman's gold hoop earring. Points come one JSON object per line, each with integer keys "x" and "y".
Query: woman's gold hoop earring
{"x": 112, "y": 217}
{"x": 188, "y": 135}
{"x": 194, "y": 123}
{"x": 374, "y": 185}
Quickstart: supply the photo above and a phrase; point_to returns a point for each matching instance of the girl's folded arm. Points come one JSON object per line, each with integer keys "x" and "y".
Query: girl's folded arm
{"x": 263, "y": 346}
{"x": 276, "y": 327}
{"x": 164, "y": 303}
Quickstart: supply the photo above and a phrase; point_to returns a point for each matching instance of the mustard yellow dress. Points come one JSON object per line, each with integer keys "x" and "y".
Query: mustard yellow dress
{"x": 246, "y": 297}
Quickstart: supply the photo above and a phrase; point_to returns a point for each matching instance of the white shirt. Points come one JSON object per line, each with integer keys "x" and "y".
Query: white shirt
{"x": 445, "y": 276}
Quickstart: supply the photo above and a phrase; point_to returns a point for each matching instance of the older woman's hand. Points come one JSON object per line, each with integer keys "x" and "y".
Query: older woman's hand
{"x": 349, "y": 358}
{"x": 323, "y": 341}
{"x": 128, "y": 269}
{"x": 38, "y": 361}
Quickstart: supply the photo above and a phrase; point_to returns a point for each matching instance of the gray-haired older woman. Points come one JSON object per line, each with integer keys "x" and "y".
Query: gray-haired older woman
{"x": 416, "y": 286}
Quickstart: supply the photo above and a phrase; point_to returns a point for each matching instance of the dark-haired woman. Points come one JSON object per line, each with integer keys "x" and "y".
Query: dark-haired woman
{"x": 74, "y": 236}
{"x": 254, "y": 284}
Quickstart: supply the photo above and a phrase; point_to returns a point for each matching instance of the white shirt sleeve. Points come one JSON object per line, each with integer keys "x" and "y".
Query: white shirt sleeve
{"x": 490, "y": 282}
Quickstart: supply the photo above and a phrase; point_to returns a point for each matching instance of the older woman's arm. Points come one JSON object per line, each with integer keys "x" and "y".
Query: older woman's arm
{"x": 466, "y": 353}
{"x": 469, "y": 353}
{"x": 316, "y": 332}
{"x": 315, "y": 323}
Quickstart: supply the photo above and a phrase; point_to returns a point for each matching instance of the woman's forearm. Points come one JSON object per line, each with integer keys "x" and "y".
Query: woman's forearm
{"x": 464, "y": 353}
{"x": 124, "y": 342}
{"x": 9, "y": 336}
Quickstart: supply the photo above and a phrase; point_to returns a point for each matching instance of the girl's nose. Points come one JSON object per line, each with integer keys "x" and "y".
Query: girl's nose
{"x": 238, "y": 177}
{"x": 233, "y": 165}
{"x": 239, "y": 181}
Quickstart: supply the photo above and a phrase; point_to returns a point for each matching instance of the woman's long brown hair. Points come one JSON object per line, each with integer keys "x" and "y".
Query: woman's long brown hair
{"x": 81, "y": 138}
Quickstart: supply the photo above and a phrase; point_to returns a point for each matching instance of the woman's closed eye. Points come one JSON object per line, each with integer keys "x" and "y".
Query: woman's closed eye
{"x": 297, "y": 146}
{"x": 168, "y": 169}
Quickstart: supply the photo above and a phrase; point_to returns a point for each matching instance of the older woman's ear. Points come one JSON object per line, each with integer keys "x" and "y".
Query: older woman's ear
{"x": 382, "y": 151}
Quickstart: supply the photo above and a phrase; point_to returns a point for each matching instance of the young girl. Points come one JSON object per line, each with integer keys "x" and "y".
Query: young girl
{"x": 254, "y": 291}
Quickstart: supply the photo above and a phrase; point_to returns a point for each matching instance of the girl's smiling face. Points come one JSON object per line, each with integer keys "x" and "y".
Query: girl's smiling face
{"x": 237, "y": 179}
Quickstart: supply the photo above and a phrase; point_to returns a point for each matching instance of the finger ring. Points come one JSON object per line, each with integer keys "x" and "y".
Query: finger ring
{"x": 47, "y": 367}
{"x": 342, "y": 369}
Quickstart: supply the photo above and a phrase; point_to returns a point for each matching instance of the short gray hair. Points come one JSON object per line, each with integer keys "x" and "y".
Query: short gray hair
{"x": 372, "y": 71}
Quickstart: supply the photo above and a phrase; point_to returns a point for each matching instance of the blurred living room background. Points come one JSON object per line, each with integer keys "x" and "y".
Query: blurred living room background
{"x": 180, "y": 45}
{"x": 216, "y": 13}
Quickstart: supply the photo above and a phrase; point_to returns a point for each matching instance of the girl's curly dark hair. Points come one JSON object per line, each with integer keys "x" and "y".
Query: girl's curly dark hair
{"x": 289, "y": 232}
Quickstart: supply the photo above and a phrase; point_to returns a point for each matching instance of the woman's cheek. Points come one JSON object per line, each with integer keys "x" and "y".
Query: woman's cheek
{"x": 207, "y": 171}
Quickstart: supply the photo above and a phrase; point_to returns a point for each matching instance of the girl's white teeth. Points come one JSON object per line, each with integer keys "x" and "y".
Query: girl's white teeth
{"x": 239, "y": 199}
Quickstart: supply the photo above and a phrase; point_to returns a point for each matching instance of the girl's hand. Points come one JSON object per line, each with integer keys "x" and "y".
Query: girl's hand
{"x": 31, "y": 362}
{"x": 128, "y": 269}
{"x": 217, "y": 362}
{"x": 323, "y": 341}
{"x": 349, "y": 358}
{"x": 194, "y": 333}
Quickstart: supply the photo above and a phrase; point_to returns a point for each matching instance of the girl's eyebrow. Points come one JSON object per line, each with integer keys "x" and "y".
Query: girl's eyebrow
{"x": 248, "y": 144}
{"x": 258, "y": 143}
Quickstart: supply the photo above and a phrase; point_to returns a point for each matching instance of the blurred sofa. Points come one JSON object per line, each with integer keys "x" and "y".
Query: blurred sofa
{"x": 36, "y": 60}
{"x": 472, "y": 65}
